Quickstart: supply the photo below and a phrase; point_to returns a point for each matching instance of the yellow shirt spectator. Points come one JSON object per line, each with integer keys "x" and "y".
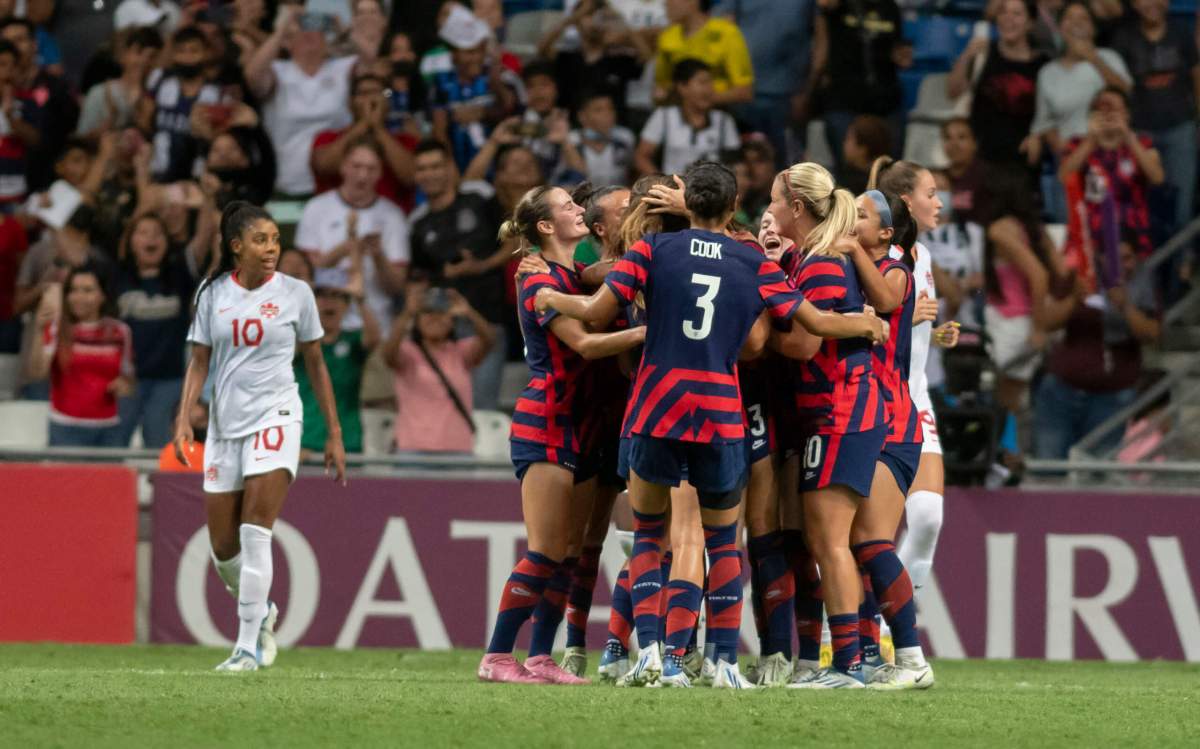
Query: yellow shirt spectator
{"x": 718, "y": 43}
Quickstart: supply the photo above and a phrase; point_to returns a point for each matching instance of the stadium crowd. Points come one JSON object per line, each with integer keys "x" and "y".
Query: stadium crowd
{"x": 126, "y": 127}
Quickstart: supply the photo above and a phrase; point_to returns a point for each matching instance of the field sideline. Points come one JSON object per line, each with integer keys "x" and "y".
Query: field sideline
{"x": 60, "y": 695}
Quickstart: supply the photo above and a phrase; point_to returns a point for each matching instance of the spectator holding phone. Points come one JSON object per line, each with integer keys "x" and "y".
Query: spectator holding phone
{"x": 675, "y": 136}
{"x": 544, "y": 128}
{"x": 433, "y": 370}
{"x": 606, "y": 147}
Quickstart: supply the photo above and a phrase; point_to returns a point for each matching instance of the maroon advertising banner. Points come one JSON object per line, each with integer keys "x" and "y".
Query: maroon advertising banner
{"x": 393, "y": 562}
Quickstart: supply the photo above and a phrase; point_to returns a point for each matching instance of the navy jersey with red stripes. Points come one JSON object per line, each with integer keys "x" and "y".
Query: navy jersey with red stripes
{"x": 544, "y": 412}
{"x": 703, "y": 292}
{"x": 891, "y": 360}
{"x": 601, "y": 394}
{"x": 836, "y": 390}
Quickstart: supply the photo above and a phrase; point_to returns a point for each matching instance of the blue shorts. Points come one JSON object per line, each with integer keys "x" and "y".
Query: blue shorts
{"x": 846, "y": 459}
{"x": 902, "y": 459}
{"x": 525, "y": 454}
{"x": 713, "y": 468}
{"x": 760, "y": 420}
{"x": 601, "y": 463}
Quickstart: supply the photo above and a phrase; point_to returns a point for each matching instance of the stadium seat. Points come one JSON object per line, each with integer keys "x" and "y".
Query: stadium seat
{"x": 937, "y": 39}
{"x": 491, "y": 434}
{"x": 10, "y": 375}
{"x": 378, "y": 431}
{"x": 923, "y": 135}
{"x": 525, "y": 30}
{"x": 24, "y": 424}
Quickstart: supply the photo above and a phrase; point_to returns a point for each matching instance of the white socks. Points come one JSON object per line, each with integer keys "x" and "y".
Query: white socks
{"x": 254, "y": 584}
{"x": 230, "y": 571}
{"x": 910, "y": 657}
{"x": 924, "y": 512}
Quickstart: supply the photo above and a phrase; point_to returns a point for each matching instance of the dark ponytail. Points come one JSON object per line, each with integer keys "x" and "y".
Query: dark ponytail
{"x": 238, "y": 215}
{"x": 904, "y": 229}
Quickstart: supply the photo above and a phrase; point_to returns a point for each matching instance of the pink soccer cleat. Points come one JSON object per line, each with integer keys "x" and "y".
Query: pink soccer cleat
{"x": 544, "y": 667}
{"x": 503, "y": 668}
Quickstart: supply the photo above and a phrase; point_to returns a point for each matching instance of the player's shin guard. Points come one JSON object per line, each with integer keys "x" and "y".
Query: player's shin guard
{"x": 923, "y": 512}
{"x": 579, "y": 598}
{"x": 683, "y": 609}
{"x": 254, "y": 584}
{"x": 645, "y": 574}
{"x": 229, "y": 570}
{"x": 868, "y": 621}
{"x": 522, "y": 592}
{"x": 893, "y": 589}
{"x": 550, "y": 610}
{"x": 777, "y": 590}
{"x": 843, "y": 632}
{"x": 620, "y": 618}
{"x": 724, "y": 592}
{"x": 808, "y": 607}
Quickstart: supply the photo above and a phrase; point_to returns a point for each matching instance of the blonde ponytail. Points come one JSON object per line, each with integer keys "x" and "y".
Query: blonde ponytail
{"x": 811, "y": 186}
{"x": 840, "y": 217}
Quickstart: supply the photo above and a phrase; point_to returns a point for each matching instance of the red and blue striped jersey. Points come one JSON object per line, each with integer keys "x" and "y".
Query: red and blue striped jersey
{"x": 544, "y": 412}
{"x": 836, "y": 391}
{"x": 892, "y": 358}
{"x": 703, "y": 292}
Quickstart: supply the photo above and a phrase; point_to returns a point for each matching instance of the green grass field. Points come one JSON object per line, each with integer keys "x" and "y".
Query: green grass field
{"x": 81, "y": 696}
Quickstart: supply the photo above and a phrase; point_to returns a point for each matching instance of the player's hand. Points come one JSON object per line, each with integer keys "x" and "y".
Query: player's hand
{"x": 846, "y": 245}
{"x": 925, "y": 310}
{"x": 184, "y": 441}
{"x": 335, "y": 459}
{"x": 120, "y": 387}
{"x": 663, "y": 199}
{"x": 544, "y": 299}
{"x": 532, "y": 265}
{"x": 946, "y": 334}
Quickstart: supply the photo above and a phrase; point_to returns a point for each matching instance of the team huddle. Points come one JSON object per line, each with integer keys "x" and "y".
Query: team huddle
{"x": 779, "y": 389}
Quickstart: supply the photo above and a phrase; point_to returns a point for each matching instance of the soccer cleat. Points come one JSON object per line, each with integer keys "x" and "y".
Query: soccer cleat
{"x": 729, "y": 677}
{"x": 708, "y": 672}
{"x": 774, "y": 670}
{"x": 829, "y": 678}
{"x": 752, "y": 671}
{"x": 802, "y": 669}
{"x": 693, "y": 663}
{"x": 574, "y": 661}
{"x": 674, "y": 674}
{"x": 614, "y": 661}
{"x": 647, "y": 669}
{"x": 267, "y": 647}
{"x": 544, "y": 667}
{"x": 870, "y": 666}
{"x": 503, "y": 668}
{"x": 890, "y": 678}
{"x": 241, "y": 660}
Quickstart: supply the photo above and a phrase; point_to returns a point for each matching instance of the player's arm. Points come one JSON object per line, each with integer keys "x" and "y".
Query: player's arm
{"x": 760, "y": 332}
{"x": 835, "y": 325}
{"x": 796, "y": 343}
{"x": 593, "y": 275}
{"x": 318, "y": 375}
{"x": 193, "y": 385}
{"x": 884, "y": 293}
{"x": 597, "y": 310}
{"x": 595, "y": 345}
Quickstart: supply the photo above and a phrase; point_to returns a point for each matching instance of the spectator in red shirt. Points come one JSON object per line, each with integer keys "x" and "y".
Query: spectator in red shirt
{"x": 370, "y": 107}
{"x": 88, "y": 355}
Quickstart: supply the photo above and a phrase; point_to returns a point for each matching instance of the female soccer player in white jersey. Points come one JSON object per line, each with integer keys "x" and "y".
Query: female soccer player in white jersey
{"x": 248, "y": 322}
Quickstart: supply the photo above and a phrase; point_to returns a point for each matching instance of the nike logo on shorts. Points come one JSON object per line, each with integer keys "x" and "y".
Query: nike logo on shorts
{"x": 519, "y": 591}
{"x": 809, "y": 475}
{"x": 757, "y": 444}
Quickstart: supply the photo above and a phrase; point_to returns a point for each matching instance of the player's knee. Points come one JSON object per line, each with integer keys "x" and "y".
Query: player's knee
{"x": 924, "y": 510}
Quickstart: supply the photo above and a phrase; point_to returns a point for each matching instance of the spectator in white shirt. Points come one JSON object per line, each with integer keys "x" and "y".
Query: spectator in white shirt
{"x": 676, "y": 136}
{"x": 606, "y": 147}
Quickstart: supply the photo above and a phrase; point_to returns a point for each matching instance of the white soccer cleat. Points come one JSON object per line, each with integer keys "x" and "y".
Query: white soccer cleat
{"x": 574, "y": 661}
{"x": 752, "y": 671}
{"x": 828, "y": 678}
{"x": 775, "y": 670}
{"x": 647, "y": 669}
{"x": 802, "y": 670}
{"x": 889, "y": 678}
{"x": 729, "y": 677}
{"x": 241, "y": 660}
{"x": 267, "y": 647}
{"x": 676, "y": 678}
{"x": 693, "y": 663}
{"x": 614, "y": 662}
{"x": 708, "y": 672}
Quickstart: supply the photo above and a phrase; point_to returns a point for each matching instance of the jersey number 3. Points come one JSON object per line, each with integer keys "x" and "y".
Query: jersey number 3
{"x": 247, "y": 332}
{"x": 711, "y": 284}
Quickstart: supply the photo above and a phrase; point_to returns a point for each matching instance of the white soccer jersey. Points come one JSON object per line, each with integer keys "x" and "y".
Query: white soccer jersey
{"x": 253, "y": 336}
{"x": 918, "y": 386}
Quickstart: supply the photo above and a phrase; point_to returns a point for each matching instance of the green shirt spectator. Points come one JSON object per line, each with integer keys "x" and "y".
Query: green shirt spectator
{"x": 345, "y": 358}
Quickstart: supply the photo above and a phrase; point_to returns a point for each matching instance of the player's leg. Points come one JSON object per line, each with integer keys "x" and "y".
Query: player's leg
{"x": 224, "y": 514}
{"x": 808, "y": 608}
{"x": 650, "y": 502}
{"x": 924, "y": 506}
{"x": 685, "y": 586}
{"x": 777, "y": 589}
{"x": 583, "y": 578}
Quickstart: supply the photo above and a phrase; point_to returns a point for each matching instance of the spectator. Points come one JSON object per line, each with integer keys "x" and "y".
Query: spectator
{"x": 303, "y": 95}
{"x": 755, "y": 170}
{"x": 87, "y": 355}
{"x": 345, "y": 353}
{"x": 867, "y": 138}
{"x": 454, "y": 19}
{"x": 467, "y": 101}
{"x": 243, "y": 161}
{"x": 297, "y": 264}
{"x": 177, "y": 150}
{"x": 545, "y": 128}
{"x": 1166, "y": 75}
{"x": 79, "y": 172}
{"x": 859, "y": 52}
{"x": 55, "y": 112}
{"x": 19, "y": 117}
{"x": 369, "y": 105}
{"x": 1093, "y": 371}
{"x": 780, "y": 38}
{"x": 433, "y": 370}
{"x": 1108, "y": 172}
{"x": 605, "y": 146}
{"x": 405, "y": 91}
{"x": 966, "y": 174}
{"x": 1001, "y": 76}
{"x": 678, "y": 135}
{"x": 153, "y": 294}
{"x": 454, "y": 242}
{"x": 1045, "y": 36}
{"x": 162, "y": 15}
{"x": 117, "y": 196}
{"x": 113, "y": 104}
{"x": 352, "y": 224}
{"x": 13, "y": 244}
{"x": 716, "y": 42}
{"x": 246, "y": 27}
{"x": 40, "y": 13}
{"x": 610, "y": 55}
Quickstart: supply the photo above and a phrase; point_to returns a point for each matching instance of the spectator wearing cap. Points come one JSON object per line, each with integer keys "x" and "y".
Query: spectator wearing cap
{"x": 345, "y": 353}
{"x": 438, "y": 59}
{"x": 159, "y": 14}
{"x": 755, "y": 170}
{"x": 717, "y": 42}
{"x": 606, "y": 147}
{"x": 113, "y": 104}
{"x": 432, "y": 368}
{"x": 370, "y": 107}
{"x": 675, "y": 136}
{"x": 469, "y": 100}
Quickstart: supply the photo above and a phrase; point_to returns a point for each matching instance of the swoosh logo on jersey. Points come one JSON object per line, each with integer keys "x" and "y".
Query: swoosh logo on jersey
{"x": 223, "y": 311}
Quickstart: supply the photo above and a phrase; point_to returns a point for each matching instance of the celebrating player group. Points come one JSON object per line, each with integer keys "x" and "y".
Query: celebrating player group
{"x": 777, "y": 405}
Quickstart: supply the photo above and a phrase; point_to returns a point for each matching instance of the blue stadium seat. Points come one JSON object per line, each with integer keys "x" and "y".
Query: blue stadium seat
{"x": 937, "y": 39}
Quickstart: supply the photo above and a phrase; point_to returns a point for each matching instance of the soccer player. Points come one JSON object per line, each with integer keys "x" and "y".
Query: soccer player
{"x": 686, "y": 407}
{"x": 545, "y": 440}
{"x": 249, "y": 320}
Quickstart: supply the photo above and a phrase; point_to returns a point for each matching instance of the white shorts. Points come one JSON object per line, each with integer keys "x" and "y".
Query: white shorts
{"x": 929, "y": 434}
{"x": 227, "y": 463}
